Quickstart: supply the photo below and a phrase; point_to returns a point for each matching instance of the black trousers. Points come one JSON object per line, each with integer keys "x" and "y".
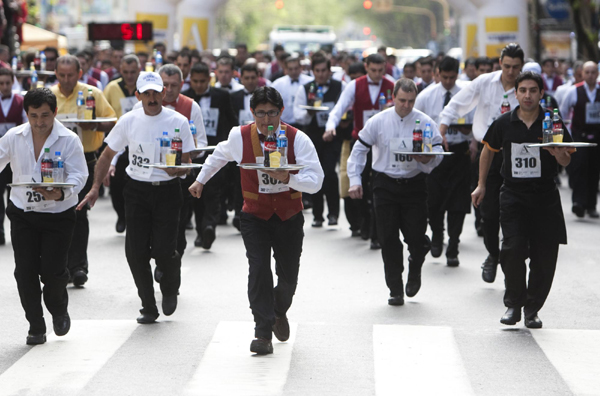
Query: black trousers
{"x": 584, "y": 174}
{"x": 533, "y": 227}
{"x": 78, "y": 260}
{"x": 5, "y": 179}
{"x": 329, "y": 156}
{"x": 285, "y": 239}
{"x": 152, "y": 214}
{"x": 490, "y": 207}
{"x": 369, "y": 219}
{"x": 117, "y": 184}
{"x": 207, "y": 209}
{"x": 41, "y": 244}
{"x": 185, "y": 212}
{"x": 401, "y": 205}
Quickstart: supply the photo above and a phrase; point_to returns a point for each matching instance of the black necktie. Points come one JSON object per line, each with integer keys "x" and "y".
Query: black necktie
{"x": 246, "y": 93}
{"x": 295, "y": 81}
{"x": 373, "y": 83}
{"x": 6, "y": 97}
{"x": 206, "y": 95}
{"x": 226, "y": 86}
{"x": 447, "y": 98}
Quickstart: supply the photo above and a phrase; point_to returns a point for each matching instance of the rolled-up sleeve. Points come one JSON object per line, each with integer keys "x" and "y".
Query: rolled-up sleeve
{"x": 75, "y": 167}
{"x": 310, "y": 179}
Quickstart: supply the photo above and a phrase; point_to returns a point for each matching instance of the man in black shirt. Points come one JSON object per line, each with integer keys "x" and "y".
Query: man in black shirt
{"x": 530, "y": 209}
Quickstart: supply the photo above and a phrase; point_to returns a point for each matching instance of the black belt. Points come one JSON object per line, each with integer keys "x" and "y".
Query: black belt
{"x": 91, "y": 156}
{"x": 155, "y": 183}
{"x": 419, "y": 178}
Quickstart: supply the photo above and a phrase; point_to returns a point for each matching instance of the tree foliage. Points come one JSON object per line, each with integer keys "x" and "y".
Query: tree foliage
{"x": 585, "y": 19}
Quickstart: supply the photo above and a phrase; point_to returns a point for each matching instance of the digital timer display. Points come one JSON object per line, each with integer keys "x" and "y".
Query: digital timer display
{"x": 134, "y": 31}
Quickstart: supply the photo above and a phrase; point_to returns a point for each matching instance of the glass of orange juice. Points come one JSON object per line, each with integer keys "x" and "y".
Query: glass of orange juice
{"x": 557, "y": 135}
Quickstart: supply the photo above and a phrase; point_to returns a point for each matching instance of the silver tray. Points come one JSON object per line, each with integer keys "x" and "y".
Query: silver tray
{"x": 97, "y": 119}
{"x": 261, "y": 167}
{"x": 423, "y": 153}
{"x": 201, "y": 149}
{"x": 33, "y": 184}
{"x": 316, "y": 108}
{"x": 564, "y": 144}
{"x": 182, "y": 166}
{"x": 27, "y": 73}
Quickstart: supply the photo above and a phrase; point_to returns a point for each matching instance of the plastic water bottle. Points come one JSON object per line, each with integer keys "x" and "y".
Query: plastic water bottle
{"x": 382, "y": 101}
{"x": 15, "y": 63}
{"x": 282, "y": 146}
{"x": 543, "y": 104}
{"x": 59, "y": 168}
{"x": 165, "y": 146}
{"x": 547, "y": 129}
{"x": 47, "y": 167}
{"x": 80, "y": 106}
{"x": 319, "y": 99}
{"x": 194, "y": 132}
{"x": 42, "y": 61}
{"x": 34, "y": 77}
{"x": 427, "y": 137}
{"x": 158, "y": 60}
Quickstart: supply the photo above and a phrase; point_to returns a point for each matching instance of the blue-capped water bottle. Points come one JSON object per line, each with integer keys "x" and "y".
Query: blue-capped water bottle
{"x": 427, "y": 137}
{"x": 15, "y": 63}
{"x": 165, "y": 146}
{"x": 58, "y": 168}
{"x": 194, "y": 132}
{"x": 382, "y": 101}
{"x": 282, "y": 146}
{"x": 543, "y": 104}
{"x": 547, "y": 129}
{"x": 42, "y": 61}
{"x": 80, "y": 105}
{"x": 158, "y": 61}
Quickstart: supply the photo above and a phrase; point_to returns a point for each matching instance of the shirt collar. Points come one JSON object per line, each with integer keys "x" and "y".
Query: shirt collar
{"x": 514, "y": 117}
{"x": 277, "y": 129}
{"x": 371, "y": 81}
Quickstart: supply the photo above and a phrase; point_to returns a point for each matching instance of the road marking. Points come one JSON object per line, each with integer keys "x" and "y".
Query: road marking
{"x": 575, "y": 355}
{"x": 64, "y": 365}
{"x": 419, "y": 360}
{"x": 229, "y": 368}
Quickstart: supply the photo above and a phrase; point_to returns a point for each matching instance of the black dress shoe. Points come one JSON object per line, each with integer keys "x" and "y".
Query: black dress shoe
{"x": 189, "y": 225}
{"x": 452, "y": 261}
{"x": 2, "y": 239}
{"x": 578, "y": 210}
{"x": 147, "y": 318}
{"x": 79, "y": 278}
{"x": 261, "y": 346}
{"x": 169, "y": 304}
{"x": 396, "y": 300}
{"x": 511, "y": 317}
{"x": 121, "y": 225}
{"x": 479, "y": 230}
{"x": 36, "y": 339}
{"x": 158, "y": 274}
{"x": 355, "y": 233}
{"x": 317, "y": 223}
{"x": 592, "y": 213}
{"x": 236, "y": 223}
{"x": 413, "y": 284}
{"x": 436, "y": 250}
{"x": 208, "y": 237}
{"x": 61, "y": 324}
{"x": 333, "y": 220}
{"x": 281, "y": 328}
{"x": 198, "y": 241}
{"x": 533, "y": 322}
{"x": 489, "y": 268}
{"x": 375, "y": 245}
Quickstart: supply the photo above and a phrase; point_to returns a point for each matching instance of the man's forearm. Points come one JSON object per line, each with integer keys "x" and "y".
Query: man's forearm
{"x": 485, "y": 162}
{"x": 101, "y": 168}
{"x": 105, "y": 126}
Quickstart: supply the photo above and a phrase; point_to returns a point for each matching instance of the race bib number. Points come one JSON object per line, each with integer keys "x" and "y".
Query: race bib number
{"x": 322, "y": 116}
{"x": 64, "y": 118}
{"x": 140, "y": 156}
{"x": 368, "y": 114}
{"x": 403, "y": 162}
{"x": 32, "y": 200}
{"x": 525, "y": 161}
{"x": 245, "y": 117}
{"x": 592, "y": 113}
{"x": 454, "y": 136}
{"x": 268, "y": 185}
{"x": 211, "y": 121}
{"x": 127, "y": 104}
{"x": 5, "y": 126}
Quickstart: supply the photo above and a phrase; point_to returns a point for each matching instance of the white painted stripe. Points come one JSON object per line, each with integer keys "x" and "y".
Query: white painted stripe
{"x": 576, "y": 356}
{"x": 418, "y": 360}
{"x": 64, "y": 365}
{"x": 229, "y": 368}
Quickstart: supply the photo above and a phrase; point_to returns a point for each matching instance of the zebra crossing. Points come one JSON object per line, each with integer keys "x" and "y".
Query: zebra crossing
{"x": 407, "y": 359}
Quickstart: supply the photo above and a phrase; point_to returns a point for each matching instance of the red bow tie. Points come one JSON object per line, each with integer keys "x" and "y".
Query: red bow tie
{"x": 174, "y": 104}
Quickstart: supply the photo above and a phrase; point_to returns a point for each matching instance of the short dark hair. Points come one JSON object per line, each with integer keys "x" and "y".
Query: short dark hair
{"x": 290, "y": 59}
{"x": 242, "y": 45}
{"x": 483, "y": 60}
{"x": 375, "y": 58}
{"x": 278, "y": 47}
{"x": 318, "y": 58}
{"x": 529, "y": 75}
{"x": 405, "y": 85}
{"x": 471, "y": 61}
{"x": 37, "y": 97}
{"x": 51, "y": 49}
{"x": 448, "y": 64}
{"x": 410, "y": 66}
{"x": 225, "y": 61}
{"x": 547, "y": 60}
{"x": 7, "y": 72}
{"x": 513, "y": 50}
{"x": 201, "y": 68}
{"x": 250, "y": 68}
{"x": 427, "y": 61}
{"x": 185, "y": 54}
{"x": 266, "y": 95}
{"x": 357, "y": 67}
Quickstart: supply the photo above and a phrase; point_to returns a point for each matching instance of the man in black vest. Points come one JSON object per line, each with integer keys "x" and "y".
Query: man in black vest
{"x": 219, "y": 118}
{"x": 584, "y": 170}
{"x": 328, "y": 146}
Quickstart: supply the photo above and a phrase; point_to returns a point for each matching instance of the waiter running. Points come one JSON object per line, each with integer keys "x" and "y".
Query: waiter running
{"x": 152, "y": 196}
{"x": 531, "y": 214}
{"x": 272, "y": 214}
{"x": 399, "y": 188}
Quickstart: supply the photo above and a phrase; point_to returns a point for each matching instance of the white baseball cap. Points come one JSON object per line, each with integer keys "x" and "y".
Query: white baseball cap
{"x": 149, "y": 80}
{"x": 533, "y": 67}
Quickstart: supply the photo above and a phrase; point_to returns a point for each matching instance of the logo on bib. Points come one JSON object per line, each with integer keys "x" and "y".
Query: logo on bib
{"x": 403, "y": 145}
{"x": 140, "y": 149}
{"x": 524, "y": 150}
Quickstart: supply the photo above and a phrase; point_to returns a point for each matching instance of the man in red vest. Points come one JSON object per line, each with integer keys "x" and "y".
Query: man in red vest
{"x": 271, "y": 217}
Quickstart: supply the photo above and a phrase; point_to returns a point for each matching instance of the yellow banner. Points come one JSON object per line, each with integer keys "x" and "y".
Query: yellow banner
{"x": 160, "y": 25}
{"x": 472, "y": 46}
{"x": 195, "y": 33}
{"x": 494, "y": 50}
{"x": 501, "y": 24}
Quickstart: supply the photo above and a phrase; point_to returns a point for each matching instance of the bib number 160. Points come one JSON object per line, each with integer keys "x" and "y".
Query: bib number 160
{"x": 403, "y": 157}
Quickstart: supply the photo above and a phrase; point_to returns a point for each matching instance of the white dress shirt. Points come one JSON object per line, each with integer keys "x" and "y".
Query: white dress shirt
{"x": 17, "y": 148}
{"x": 308, "y": 180}
{"x": 302, "y": 116}
{"x": 142, "y": 133}
{"x": 186, "y": 84}
{"x": 347, "y": 100}
{"x": 387, "y": 132}
{"x": 570, "y": 98}
{"x": 86, "y": 77}
{"x": 104, "y": 80}
{"x": 431, "y": 102}
{"x": 486, "y": 93}
{"x": 288, "y": 90}
{"x": 6, "y": 105}
{"x": 341, "y": 75}
{"x": 235, "y": 86}
{"x": 560, "y": 94}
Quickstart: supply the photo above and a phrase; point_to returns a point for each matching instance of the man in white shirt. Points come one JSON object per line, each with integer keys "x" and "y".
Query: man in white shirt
{"x": 486, "y": 94}
{"x": 152, "y": 195}
{"x": 184, "y": 63}
{"x": 288, "y": 86}
{"x": 224, "y": 75}
{"x": 561, "y": 91}
{"x": 271, "y": 219}
{"x": 399, "y": 189}
{"x": 448, "y": 185}
{"x": 42, "y": 220}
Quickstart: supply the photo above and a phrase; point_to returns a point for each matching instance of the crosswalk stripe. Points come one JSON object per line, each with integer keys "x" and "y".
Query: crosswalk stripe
{"x": 66, "y": 364}
{"x": 575, "y": 355}
{"x": 229, "y": 368}
{"x": 419, "y": 360}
